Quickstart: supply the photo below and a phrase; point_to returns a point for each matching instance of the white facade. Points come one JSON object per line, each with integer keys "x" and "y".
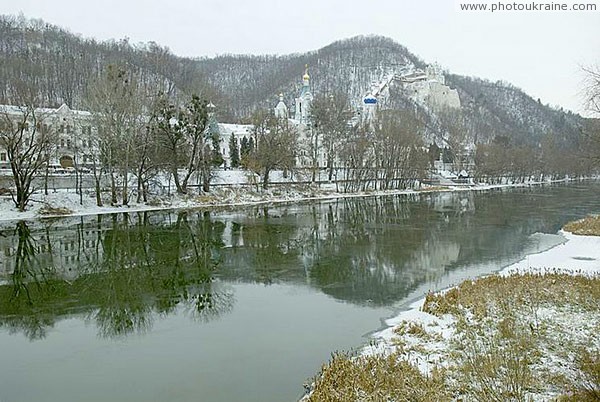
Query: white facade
{"x": 429, "y": 87}
{"x": 239, "y": 131}
{"x": 75, "y": 130}
{"x": 281, "y": 110}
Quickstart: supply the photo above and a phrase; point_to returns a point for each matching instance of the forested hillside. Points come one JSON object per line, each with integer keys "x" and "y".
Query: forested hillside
{"x": 499, "y": 109}
{"x": 349, "y": 66}
{"x": 59, "y": 65}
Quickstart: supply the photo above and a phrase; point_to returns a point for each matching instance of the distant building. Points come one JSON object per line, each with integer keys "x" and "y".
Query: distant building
{"x": 429, "y": 87}
{"x": 75, "y": 129}
{"x": 281, "y": 110}
{"x": 304, "y": 100}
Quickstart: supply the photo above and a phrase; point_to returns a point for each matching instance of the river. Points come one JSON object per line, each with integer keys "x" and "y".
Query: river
{"x": 242, "y": 304}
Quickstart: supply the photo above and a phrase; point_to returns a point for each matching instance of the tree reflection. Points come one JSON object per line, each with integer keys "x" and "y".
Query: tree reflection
{"x": 125, "y": 272}
{"x": 29, "y": 281}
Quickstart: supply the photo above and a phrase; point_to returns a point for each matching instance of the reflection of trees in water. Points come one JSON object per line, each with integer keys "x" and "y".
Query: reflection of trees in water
{"x": 379, "y": 249}
{"x": 135, "y": 271}
{"x": 210, "y": 302}
{"x": 26, "y": 286}
{"x": 263, "y": 248}
{"x": 379, "y": 236}
{"x": 129, "y": 269}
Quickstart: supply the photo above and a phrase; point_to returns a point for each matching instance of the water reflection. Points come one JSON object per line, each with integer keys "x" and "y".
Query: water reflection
{"x": 125, "y": 271}
{"x": 121, "y": 271}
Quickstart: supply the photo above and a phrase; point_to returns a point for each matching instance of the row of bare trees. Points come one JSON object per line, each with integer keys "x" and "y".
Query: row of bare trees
{"x": 504, "y": 162}
{"x": 386, "y": 152}
{"x": 144, "y": 132}
{"x": 139, "y": 132}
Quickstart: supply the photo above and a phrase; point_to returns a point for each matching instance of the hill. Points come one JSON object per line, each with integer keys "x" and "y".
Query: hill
{"x": 59, "y": 64}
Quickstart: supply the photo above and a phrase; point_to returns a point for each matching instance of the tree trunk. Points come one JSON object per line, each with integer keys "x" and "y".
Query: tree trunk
{"x": 125, "y": 187}
{"x": 97, "y": 189}
{"x": 46, "y": 180}
{"x": 144, "y": 191}
{"x": 180, "y": 189}
{"x": 266, "y": 178}
{"x": 113, "y": 189}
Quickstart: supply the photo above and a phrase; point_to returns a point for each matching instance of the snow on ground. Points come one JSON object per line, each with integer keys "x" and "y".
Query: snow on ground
{"x": 237, "y": 192}
{"x": 62, "y": 199}
{"x": 578, "y": 255}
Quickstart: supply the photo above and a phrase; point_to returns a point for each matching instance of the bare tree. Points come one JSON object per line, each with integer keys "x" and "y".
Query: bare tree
{"x": 398, "y": 148}
{"x": 28, "y": 142}
{"x": 116, "y": 102}
{"x": 147, "y": 158}
{"x": 357, "y": 158}
{"x": 591, "y": 92}
{"x": 457, "y": 137}
{"x": 330, "y": 116}
{"x": 182, "y": 133}
{"x": 592, "y": 89}
{"x": 275, "y": 145}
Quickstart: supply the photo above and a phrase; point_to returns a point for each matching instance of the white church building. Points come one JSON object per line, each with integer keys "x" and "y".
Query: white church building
{"x": 300, "y": 118}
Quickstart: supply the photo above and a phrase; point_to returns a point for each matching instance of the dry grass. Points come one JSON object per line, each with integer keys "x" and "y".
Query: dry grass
{"x": 587, "y": 388}
{"x": 589, "y": 226}
{"x": 493, "y": 295}
{"x": 48, "y": 210}
{"x": 432, "y": 189}
{"x": 514, "y": 338}
{"x": 411, "y": 328}
{"x": 205, "y": 199}
{"x": 375, "y": 378}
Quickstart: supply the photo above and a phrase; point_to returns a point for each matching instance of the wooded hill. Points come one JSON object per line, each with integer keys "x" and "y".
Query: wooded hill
{"x": 59, "y": 64}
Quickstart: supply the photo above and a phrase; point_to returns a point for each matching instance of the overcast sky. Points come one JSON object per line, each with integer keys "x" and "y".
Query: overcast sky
{"x": 540, "y": 52}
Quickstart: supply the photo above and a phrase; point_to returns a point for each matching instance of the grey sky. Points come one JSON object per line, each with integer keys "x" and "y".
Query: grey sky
{"x": 540, "y": 52}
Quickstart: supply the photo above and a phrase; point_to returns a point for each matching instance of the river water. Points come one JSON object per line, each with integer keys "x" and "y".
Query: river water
{"x": 242, "y": 304}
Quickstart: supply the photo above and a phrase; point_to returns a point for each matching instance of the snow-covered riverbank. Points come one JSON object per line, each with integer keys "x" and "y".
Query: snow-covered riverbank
{"x": 46, "y": 206}
{"x": 429, "y": 341}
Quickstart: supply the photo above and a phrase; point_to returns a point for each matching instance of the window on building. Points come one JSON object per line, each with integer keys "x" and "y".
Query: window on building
{"x": 62, "y": 142}
{"x": 3, "y": 157}
{"x": 68, "y": 143}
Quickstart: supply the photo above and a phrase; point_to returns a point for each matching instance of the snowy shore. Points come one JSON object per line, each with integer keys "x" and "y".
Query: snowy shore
{"x": 44, "y": 206}
{"x": 432, "y": 348}
{"x": 578, "y": 255}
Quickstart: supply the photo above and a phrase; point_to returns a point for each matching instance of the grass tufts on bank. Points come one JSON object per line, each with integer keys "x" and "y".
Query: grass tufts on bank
{"x": 589, "y": 226}
{"x": 499, "y": 338}
{"x": 376, "y": 378}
